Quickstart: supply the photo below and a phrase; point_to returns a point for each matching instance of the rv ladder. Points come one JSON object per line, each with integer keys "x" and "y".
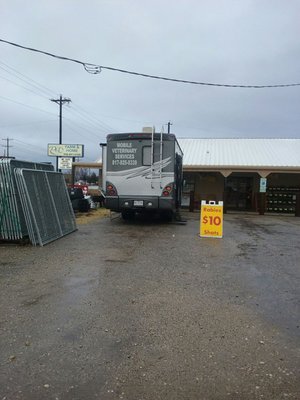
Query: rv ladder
{"x": 152, "y": 156}
{"x": 153, "y": 172}
{"x": 160, "y": 156}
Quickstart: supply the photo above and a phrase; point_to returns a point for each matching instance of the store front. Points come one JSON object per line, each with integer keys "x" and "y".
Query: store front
{"x": 259, "y": 175}
{"x": 240, "y": 191}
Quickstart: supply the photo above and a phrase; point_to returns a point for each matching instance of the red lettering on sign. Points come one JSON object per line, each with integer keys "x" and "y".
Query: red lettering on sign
{"x": 211, "y": 220}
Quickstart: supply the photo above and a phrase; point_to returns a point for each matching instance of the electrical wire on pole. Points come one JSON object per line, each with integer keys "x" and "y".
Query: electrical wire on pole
{"x": 96, "y": 69}
{"x": 61, "y": 101}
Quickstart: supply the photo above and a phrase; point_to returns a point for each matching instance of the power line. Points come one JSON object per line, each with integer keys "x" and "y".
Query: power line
{"x": 88, "y": 117}
{"x": 39, "y": 109}
{"x": 29, "y": 81}
{"x": 94, "y": 125}
{"x": 9, "y": 126}
{"x": 96, "y": 69}
{"x": 88, "y": 129}
{"x": 20, "y": 150}
{"x": 25, "y": 105}
{"x": 39, "y": 148}
{"x": 81, "y": 111}
{"x": 21, "y": 86}
{"x": 143, "y": 122}
{"x": 82, "y": 133}
{"x": 43, "y": 89}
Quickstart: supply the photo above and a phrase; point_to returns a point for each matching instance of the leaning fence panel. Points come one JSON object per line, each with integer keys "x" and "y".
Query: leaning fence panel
{"x": 50, "y": 211}
{"x": 34, "y": 202}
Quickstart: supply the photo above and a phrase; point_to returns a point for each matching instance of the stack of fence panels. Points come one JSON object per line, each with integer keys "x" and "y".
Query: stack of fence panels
{"x": 12, "y": 222}
{"x": 34, "y": 202}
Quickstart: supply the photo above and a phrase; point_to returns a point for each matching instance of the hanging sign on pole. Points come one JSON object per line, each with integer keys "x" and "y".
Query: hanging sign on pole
{"x": 65, "y": 162}
{"x": 211, "y": 219}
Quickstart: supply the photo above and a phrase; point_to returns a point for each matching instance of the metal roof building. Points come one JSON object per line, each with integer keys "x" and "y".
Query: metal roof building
{"x": 245, "y": 153}
{"x": 232, "y": 170}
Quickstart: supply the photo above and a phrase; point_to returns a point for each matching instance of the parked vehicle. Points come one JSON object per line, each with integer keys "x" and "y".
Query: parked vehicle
{"x": 78, "y": 200}
{"x": 98, "y": 197}
{"x": 142, "y": 172}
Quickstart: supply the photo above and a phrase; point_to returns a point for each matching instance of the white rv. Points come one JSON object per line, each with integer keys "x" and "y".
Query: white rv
{"x": 142, "y": 172}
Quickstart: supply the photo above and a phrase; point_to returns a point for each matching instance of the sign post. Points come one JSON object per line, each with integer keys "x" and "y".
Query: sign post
{"x": 211, "y": 219}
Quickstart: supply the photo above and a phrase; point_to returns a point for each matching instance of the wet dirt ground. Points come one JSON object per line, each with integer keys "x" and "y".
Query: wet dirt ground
{"x": 148, "y": 310}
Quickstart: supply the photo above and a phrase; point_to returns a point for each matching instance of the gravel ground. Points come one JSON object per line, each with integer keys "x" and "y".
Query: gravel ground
{"x": 148, "y": 310}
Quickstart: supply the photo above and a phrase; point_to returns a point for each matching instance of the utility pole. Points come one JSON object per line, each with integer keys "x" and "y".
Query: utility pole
{"x": 7, "y": 146}
{"x": 169, "y": 126}
{"x": 61, "y": 101}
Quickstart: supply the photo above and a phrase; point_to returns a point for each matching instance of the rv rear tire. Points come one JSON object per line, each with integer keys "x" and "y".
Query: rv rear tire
{"x": 167, "y": 215}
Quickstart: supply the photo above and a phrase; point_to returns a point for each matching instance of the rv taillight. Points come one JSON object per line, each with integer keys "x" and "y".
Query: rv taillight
{"x": 111, "y": 190}
{"x": 167, "y": 190}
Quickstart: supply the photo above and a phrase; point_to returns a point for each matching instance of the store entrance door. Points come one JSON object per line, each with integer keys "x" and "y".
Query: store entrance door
{"x": 239, "y": 193}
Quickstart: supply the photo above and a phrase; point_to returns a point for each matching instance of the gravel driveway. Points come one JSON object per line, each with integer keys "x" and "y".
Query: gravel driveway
{"x": 148, "y": 310}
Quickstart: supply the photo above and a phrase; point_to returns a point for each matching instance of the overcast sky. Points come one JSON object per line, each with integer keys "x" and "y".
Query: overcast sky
{"x": 228, "y": 42}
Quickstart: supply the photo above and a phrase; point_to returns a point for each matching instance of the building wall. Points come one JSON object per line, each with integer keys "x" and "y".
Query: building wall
{"x": 287, "y": 180}
{"x": 211, "y": 186}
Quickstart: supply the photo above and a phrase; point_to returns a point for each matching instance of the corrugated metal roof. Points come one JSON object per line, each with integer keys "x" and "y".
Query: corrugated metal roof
{"x": 241, "y": 152}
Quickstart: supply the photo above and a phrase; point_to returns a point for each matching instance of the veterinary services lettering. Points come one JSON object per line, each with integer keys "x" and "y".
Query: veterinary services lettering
{"x": 124, "y": 154}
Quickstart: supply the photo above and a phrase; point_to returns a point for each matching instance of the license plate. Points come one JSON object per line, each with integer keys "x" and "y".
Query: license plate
{"x": 138, "y": 203}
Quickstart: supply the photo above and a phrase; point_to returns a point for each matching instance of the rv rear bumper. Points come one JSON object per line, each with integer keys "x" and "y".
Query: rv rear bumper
{"x": 137, "y": 203}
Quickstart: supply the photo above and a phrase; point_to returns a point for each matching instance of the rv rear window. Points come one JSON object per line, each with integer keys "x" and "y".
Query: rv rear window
{"x": 146, "y": 155}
